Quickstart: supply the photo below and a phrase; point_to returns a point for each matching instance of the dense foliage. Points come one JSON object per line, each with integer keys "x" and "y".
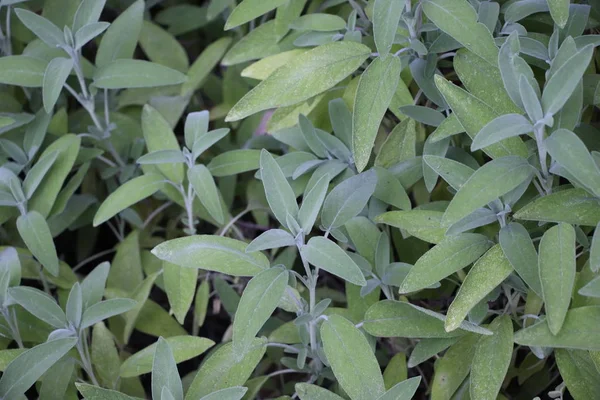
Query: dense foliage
{"x": 313, "y": 199}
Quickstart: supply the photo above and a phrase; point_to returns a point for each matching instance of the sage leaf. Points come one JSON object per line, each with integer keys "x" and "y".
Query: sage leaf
{"x": 206, "y": 190}
{"x": 503, "y": 127}
{"x": 56, "y": 75}
{"x": 123, "y": 74}
{"x": 280, "y": 196}
{"x": 164, "y": 372}
{"x": 325, "y": 254}
{"x": 520, "y": 252}
{"x": 35, "y": 232}
{"x": 386, "y": 16}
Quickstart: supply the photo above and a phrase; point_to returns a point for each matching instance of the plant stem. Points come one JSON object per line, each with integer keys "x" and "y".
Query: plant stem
{"x": 82, "y": 349}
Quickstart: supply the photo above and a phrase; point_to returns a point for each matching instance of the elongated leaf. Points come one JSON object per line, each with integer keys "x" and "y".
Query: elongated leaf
{"x": 570, "y": 152}
{"x": 487, "y": 273}
{"x": 120, "y": 40}
{"x": 311, "y": 204}
{"x": 37, "y": 172}
{"x": 213, "y": 253}
{"x": 563, "y": 82}
{"x": 279, "y": 193}
{"x": 35, "y": 232}
{"x": 520, "y": 251}
{"x": 88, "y": 12}
{"x": 22, "y": 71}
{"x": 206, "y": 189}
{"x": 89, "y": 32}
{"x": 205, "y": 62}
{"x": 503, "y": 127}
{"x": 127, "y": 195}
{"x": 351, "y": 358}
{"x": 423, "y": 224}
{"x": 577, "y": 331}
{"x": 104, "y": 310}
{"x": 259, "y": 300}
{"x": 164, "y": 372}
{"x": 345, "y": 201}
{"x": 39, "y": 304}
{"x": 233, "y": 393}
{"x": 389, "y": 318}
{"x": 492, "y": 359}
{"x": 572, "y": 206}
{"x": 458, "y": 19}
{"x": 235, "y": 162}
{"x": 325, "y": 254}
{"x": 91, "y": 392}
{"x": 183, "y": 348}
{"x": 591, "y": 289}
{"x": 180, "y": 285}
{"x": 452, "y": 369}
{"x": 374, "y": 93}
{"x": 559, "y": 9}
{"x": 386, "y": 16}
{"x": 162, "y": 47}
{"x": 306, "y": 391}
{"x": 122, "y": 74}
{"x": 56, "y": 75}
{"x": 488, "y": 183}
{"x": 473, "y": 114}
{"x": 318, "y": 22}
{"x": 305, "y": 76}
{"x": 557, "y": 272}
{"x": 450, "y": 255}
{"x": 43, "y": 28}
{"x": 27, "y": 368}
{"x": 404, "y": 390}
{"x": 223, "y": 369}
{"x": 248, "y": 10}
{"x": 271, "y": 239}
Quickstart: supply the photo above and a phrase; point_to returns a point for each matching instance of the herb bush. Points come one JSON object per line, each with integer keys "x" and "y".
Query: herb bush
{"x": 313, "y": 199}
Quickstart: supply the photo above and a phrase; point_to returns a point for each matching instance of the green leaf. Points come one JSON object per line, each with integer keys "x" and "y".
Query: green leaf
{"x": 319, "y": 22}
{"x": 22, "y": 71}
{"x": 56, "y": 75}
{"x": 180, "y": 285}
{"x": 492, "y": 359}
{"x": 27, "y": 368}
{"x": 104, "y": 310}
{"x": 374, "y": 93}
{"x": 400, "y": 145}
{"x": 423, "y": 224}
{"x": 105, "y": 356}
{"x": 223, "y": 369}
{"x": 404, "y": 390}
{"x": 452, "y": 369}
{"x": 572, "y": 206}
{"x": 91, "y": 392}
{"x": 35, "y": 232}
{"x": 162, "y": 48}
{"x": 212, "y": 253}
{"x": 233, "y": 393}
{"x": 120, "y": 39}
{"x": 390, "y": 318}
{"x": 386, "y": 16}
{"x": 74, "y": 307}
{"x": 37, "y": 172}
{"x": 487, "y": 273}
{"x": 390, "y": 190}
{"x": 162, "y": 157}
{"x": 559, "y": 10}
{"x": 520, "y": 251}
{"x": 591, "y": 289}
{"x": 43, "y": 28}
{"x": 271, "y": 239}
{"x": 501, "y": 128}
{"x": 259, "y": 300}
{"x": 122, "y": 74}
{"x": 248, "y": 10}
{"x": 577, "y": 331}
{"x": 89, "y": 32}
{"x": 325, "y": 254}
{"x": 88, "y": 12}
{"x": 204, "y": 185}
{"x": 306, "y": 391}
{"x": 345, "y": 201}
{"x": 164, "y": 372}
{"x": 306, "y": 76}
{"x": 458, "y": 19}
{"x": 159, "y": 136}
{"x": 234, "y": 162}
{"x": 557, "y": 272}
{"x": 39, "y": 304}
{"x": 473, "y": 114}
{"x": 127, "y": 195}
{"x": 427, "y": 348}
{"x": 351, "y": 358}
{"x": 204, "y": 64}
{"x": 579, "y": 372}
{"x": 48, "y": 190}
{"x": 279, "y": 193}
{"x": 570, "y": 152}
{"x": 183, "y": 347}
{"x": 453, "y": 172}
{"x": 444, "y": 259}
{"x": 563, "y": 82}
{"x": 487, "y": 184}
{"x": 311, "y": 204}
